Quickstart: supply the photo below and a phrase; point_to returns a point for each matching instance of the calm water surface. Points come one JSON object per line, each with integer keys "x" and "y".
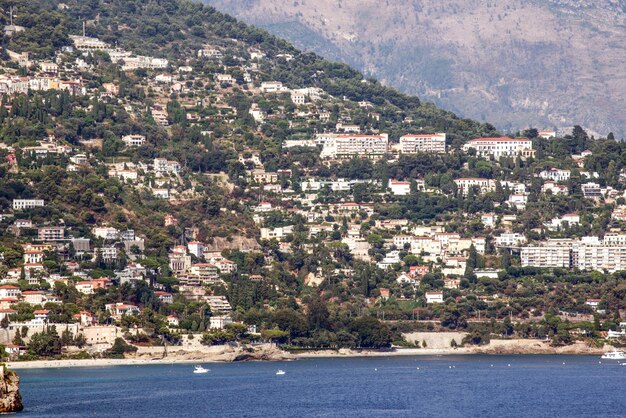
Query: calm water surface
{"x": 451, "y": 386}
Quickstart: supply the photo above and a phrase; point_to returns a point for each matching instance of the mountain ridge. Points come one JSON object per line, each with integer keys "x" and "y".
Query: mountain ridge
{"x": 517, "y": 64}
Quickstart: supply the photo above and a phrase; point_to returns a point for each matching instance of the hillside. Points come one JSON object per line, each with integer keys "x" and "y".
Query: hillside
{"x": 514, "y": 63}
{"x": 169, "y": 174}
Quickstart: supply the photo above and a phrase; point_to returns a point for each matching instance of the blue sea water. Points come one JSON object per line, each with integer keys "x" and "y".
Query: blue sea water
{"x": 450, "y": 386}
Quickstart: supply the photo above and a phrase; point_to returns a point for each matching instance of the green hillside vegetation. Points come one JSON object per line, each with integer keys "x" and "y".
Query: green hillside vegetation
{"x": 211, "y": 134}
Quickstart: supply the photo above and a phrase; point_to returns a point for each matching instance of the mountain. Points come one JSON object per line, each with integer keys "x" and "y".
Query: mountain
{"x": 515, "y": 63}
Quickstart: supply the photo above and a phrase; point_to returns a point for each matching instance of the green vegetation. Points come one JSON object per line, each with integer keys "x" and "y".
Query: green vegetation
{"x": 311, "y": 287}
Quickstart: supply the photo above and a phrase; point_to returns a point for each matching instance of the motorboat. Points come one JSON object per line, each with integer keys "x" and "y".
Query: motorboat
{"x": 200, "y": 370}
{"x": 614, "y": 355}
{"x": 280, "y": 372}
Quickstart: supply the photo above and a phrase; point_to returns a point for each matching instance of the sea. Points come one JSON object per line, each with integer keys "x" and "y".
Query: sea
{"x": 420, "y": 386}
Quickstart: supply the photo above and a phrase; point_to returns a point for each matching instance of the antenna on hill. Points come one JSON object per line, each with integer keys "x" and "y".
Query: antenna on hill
{"x": 11, "y": 15}
{"x": 84, "y": 29}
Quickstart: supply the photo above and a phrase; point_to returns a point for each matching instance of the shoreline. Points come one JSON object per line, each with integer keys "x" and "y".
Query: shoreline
{"x": 504, "y": 349}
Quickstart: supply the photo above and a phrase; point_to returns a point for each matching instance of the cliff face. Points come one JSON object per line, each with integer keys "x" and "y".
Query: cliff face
{"x": 514, "y": 63}
{"x": 10, "y": 399}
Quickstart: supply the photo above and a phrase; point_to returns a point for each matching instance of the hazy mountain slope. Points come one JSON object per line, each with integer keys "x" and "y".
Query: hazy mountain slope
{"x": 513, "y": 62}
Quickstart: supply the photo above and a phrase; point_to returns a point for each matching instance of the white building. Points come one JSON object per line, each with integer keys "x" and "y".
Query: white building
{"x": 225, "y": 79}
{"x": 134, "y": 140}
{"x": 555, "y": 189}
{"x": 569, "y": 219}
{"x": 547, "y": 134}
{"x": 431, "y": 143}
{"x": 276, "y": 233}
{"x": 19, "y": 204}
{"x": 162, "y": 166}
{"x": 105, "y": 232}
{"x": 218, "y": 322}
{"x": 349, "y": 129}
{"x": 393, "y": 257}
{"x": 130, "y": 175}
{"x": 400, "y": 188}
{"x": 488, "y": 219}
{"x": 434, "y": 297}
{"x": 553, "y": 253}
{"x": 272, "y": 87}
{"x": 518, "y": 201}
{"x": 196, "y": 248}
{"x": 298, "y": 98}
{"x": 555, "y": 174}
{"x": 600, "y": 257}
{"x": 500, "y": 147}
{"x": 483, "y": 185}
{"x": 133, "y": 63}
{"x": 164, "y": 78}
{"x": 349, "y": 146}
{"x": 510, "y": 240}
{"x": 591, "y": 190}
{"x": 85, "y": 43}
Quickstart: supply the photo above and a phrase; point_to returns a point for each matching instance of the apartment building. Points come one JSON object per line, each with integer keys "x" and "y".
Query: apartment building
{"x": 349, "y": 146}
{"x": 588, "y": 253}
{"x": 591, "y": 190}
{"x": 600, "y": 257}
{"x": 162, "y": 166}
{"x": 51, "y": 233}
{"x": 20, "y": 204}
{"x": 549, "y": 254}
{"x": 501, "y": 147}
{"x": 430, "y": 143}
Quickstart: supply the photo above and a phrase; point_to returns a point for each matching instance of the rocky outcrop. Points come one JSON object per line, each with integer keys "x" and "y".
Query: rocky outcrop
{"x": 10, "y": 399}
{"x": 267, "y": 354}
{"x": 222, "y": 353}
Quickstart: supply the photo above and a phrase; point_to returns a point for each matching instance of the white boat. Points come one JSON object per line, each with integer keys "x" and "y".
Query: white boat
{"x": 280, "y": 372}
{"x": 614, "y": 355}
{"x": 200, "y": 370}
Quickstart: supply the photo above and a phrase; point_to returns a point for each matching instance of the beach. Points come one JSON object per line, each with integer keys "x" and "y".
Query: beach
{"x": 266, "y": 352}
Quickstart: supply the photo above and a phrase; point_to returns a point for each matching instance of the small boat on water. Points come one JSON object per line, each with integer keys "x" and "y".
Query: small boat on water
{"x": 199, "y": 370}
{"x": 280, "y": 372}
{"x": 614, "y": 355}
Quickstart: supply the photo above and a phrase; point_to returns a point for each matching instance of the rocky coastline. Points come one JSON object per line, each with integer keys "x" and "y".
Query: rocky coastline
{"x": 10, "y": 397}
{"x": 267, "y": 352}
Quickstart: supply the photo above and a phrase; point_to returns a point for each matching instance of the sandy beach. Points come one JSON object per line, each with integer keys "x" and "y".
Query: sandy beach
{"x": 45, "y": 364}
{"x": 225, "y": 354}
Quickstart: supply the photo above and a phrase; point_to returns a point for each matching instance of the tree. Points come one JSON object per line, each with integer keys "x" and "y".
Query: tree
{"x": 17, "y": 339}
{"x": 505, "y": 260}
{"x": 370, "y": 332}
{"x": 318, "y": 314}
{"x": 80, "y": 341}
{"x": 531, "y": 133}
{"x": 121, "y": 347}
{"x": 45, "y": 343}
{"x": 66, "y": 337}
{"x": 274, "y": 336}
